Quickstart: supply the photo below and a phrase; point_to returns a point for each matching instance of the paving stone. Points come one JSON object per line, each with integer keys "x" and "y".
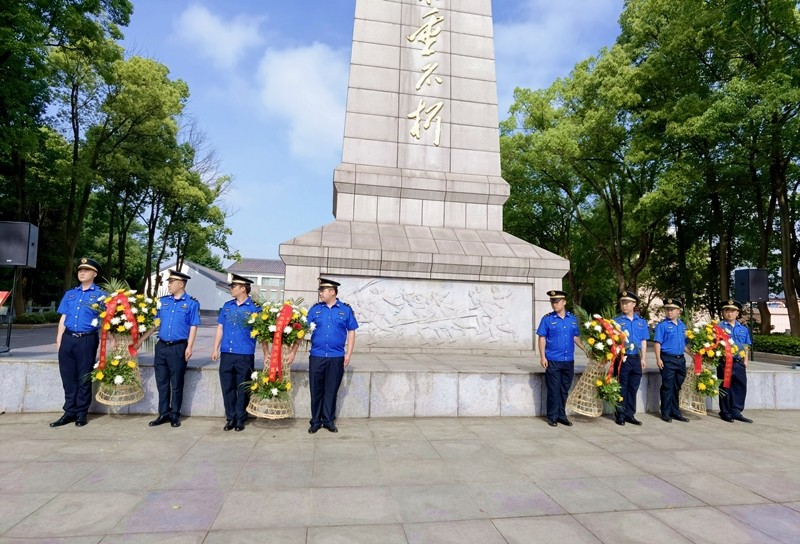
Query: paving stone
{"x": 629, "y": 528}
{"x": 352, "y": 506}
{"x": 709, "y": 525}
{"x": 357, "y": 534}
{"x": 548, "y": 530}
{"x": 453, "y": 532}
{"x": 775, "y": 520}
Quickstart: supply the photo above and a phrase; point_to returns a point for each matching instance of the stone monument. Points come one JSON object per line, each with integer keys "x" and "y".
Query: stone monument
{"x": 418, "y": 240}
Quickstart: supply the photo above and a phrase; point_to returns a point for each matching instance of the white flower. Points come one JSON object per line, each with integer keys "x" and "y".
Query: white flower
{"x": 115, "y": 321}
{"x": 274, "y": 392}
{"x": 587, "y": 324}
{"x": 128, "y": 325}
{"x": 254, "y": 376}
{"x": 696, "y": 330}
{"x": 719, "y": 353}
{"x": 118, "y": 380}
{"x": 142, "y": 328}
{"x": 275, "y": 310}
{"x": 599, "y": 346}
{"x": 134, "y": 310}
{"x": 610, "y": 342}
{"x": 312, "y": 327}
{"x": 598, "y": 328}
{"x": 272, "y": 328}
{"x": 148, "y": 300}
{"x": 287, "y": 329}
{"x": 706, "y": 345}
{"x": 597, "y": 316}
{"x": 131, "y": 300}
{"x": 304, "y": 319}
{"x": 96, "y": 364}
{"x": 94, "y": 322}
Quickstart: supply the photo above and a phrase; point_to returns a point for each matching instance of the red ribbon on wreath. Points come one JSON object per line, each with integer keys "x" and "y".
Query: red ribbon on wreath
{"x": 119, "y": 299}
{"x": 616, "y": 348}
{"x": 275, "y": 359}
{"x": 723, "y": 336}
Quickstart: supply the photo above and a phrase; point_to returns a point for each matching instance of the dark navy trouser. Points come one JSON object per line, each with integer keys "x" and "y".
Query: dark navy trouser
{"x": 324, "y": 378}
{"x": 731, "y": 399}
{"x": 630, "y": 376}
{"x": 672, "y": 376}
{"x": 75, "y": 361}
{"x": 169, "y": 366}
{"x": 235, "y": 368}
{"x": 558, "y": 377}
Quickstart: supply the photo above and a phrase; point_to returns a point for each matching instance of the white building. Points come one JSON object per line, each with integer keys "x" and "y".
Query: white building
{"x": 208, "y": 286}
{"x": 268, "y": 276}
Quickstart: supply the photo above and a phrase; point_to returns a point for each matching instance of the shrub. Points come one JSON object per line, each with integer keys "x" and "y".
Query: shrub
{"x": 777, "y": 343}
{"x": 30, "y": 319}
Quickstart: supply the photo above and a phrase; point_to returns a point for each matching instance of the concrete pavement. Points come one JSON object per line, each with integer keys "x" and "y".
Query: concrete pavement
{"x": 401, "y": 480}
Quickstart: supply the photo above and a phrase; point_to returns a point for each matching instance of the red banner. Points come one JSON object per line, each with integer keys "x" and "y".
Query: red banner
{"x": 275, "y": 359}
{"x": 728, "y": 372}
{"x": 119, "y": 299}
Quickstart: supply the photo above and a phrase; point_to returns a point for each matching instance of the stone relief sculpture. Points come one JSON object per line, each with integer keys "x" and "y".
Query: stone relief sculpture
{"x": 429, "y": 314}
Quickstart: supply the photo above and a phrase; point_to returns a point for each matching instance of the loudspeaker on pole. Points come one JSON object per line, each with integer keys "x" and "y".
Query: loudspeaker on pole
{"x": 19, "y": 244}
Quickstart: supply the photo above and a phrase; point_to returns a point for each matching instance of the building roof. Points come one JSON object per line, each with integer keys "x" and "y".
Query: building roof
{"x": 220, "y": 278}
{"x": 252, "y": 267}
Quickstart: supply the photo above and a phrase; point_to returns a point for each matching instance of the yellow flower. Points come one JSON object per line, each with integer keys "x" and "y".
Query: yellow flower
{"x": 131, "y": 364}
{"x": 254, "y": 387}
{"x": 616, "y": 338}
{"x": 140, "y": 318}
{"x": 102, "y": 314}
{"x": 140, "y": 296}
{"x": 288, "y": 386}
{"x": 620, "y": 399}
{"x": 301, "y": 333}
{"x": 599, "y": 383}
{"x": 303, "y": 311}
{"x": 591, "y": 341}
{"x": 154, "y": 311}
{"x": 689, "y": 335}
{"x": 265, "y": 379}
{"x": 121, "y": 328}
{"x": 594, "y": 323}
{"x": 142, "y": 305}
{"x": 99, "y": 376}
{"x": 701, "y": 386}
{"x": 156, "y": 322}
{"x": 107, "y": 327}
{"x": 264, "y": 317}
{"x": 115, "y": 362}
{"x": 609, "y": 356}
{"x": 253, "y": 333}
{"x": 602, "y": 336}
{"x": 295, "y": 316}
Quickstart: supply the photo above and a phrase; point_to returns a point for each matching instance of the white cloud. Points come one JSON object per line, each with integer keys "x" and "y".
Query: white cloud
{"x": 224, "y": 42}
{"x": 306, "y": 88}
{"x": 548, "y": 39}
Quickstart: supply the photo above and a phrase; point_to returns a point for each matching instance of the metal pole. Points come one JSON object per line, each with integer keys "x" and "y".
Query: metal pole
{"x": 7, "y": 347}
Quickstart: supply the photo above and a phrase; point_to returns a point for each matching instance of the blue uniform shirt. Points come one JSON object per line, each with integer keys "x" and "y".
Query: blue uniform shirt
{"x": 235, "y": 330}
{"x": 76, "y": 305}
{"x": 177, "y": 316}
{"x": 636, "y": 329}
{"x": 332, "y": 325}
{"x": 672, "y": 337}
{"x": 559, "y": 334}
{"x": 739, "y": 334}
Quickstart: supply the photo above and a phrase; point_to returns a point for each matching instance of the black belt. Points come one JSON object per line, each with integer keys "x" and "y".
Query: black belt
{"x": 79, "y": 334}
{"x": 173, "y": 342}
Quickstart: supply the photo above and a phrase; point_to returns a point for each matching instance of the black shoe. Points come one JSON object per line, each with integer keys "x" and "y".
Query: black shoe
{"x": 314, "y": 428}
{"x": 565, "y": 421}
{"x": 681, "y": 418}
{"x": 552, "y": 423}
{"x": 743, "y": 419}
{"x": 332, "y": 428}
{"x": 160, "y": 420}
{"x": 175, "y": 421}
{"x": 666, "y": 419}
{"x": 228, "y": 425}
{"x": 727, "y": 418}
{"x": 620, "y": 421}
{"x": 63, "y": 420}
{"x": 632, "y": 420}
{"x": 239, "y": 427}
{"x": 81, "y": 421}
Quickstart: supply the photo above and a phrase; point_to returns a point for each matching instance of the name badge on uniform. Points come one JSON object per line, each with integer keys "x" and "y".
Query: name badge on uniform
{"x": 184, "y": 306}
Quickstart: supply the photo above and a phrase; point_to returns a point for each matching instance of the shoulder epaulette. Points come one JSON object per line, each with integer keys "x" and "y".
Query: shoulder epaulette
{"x": 194, "y": 299}
{"x": 346, "y": 304}
{"x": 318, "y": 303}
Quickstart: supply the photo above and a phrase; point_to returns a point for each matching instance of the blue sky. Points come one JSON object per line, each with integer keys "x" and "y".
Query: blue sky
{"x": 268, "y": 83}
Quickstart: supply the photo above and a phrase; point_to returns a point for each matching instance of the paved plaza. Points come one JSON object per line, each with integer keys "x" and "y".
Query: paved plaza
{"x": 460, "y": 480}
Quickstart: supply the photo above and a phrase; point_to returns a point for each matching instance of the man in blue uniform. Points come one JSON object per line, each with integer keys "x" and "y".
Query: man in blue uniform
{"x": 670, "y": 345}
{"x": 237, "y": 347}
{"x": 731, "y": 399}
{"x": 332, "y": 342}
{"x": 179, "y": 317}
{"x": 630, "y": 370}
{"x": 77, "y": 340}
{"x": 558, "y": 335}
